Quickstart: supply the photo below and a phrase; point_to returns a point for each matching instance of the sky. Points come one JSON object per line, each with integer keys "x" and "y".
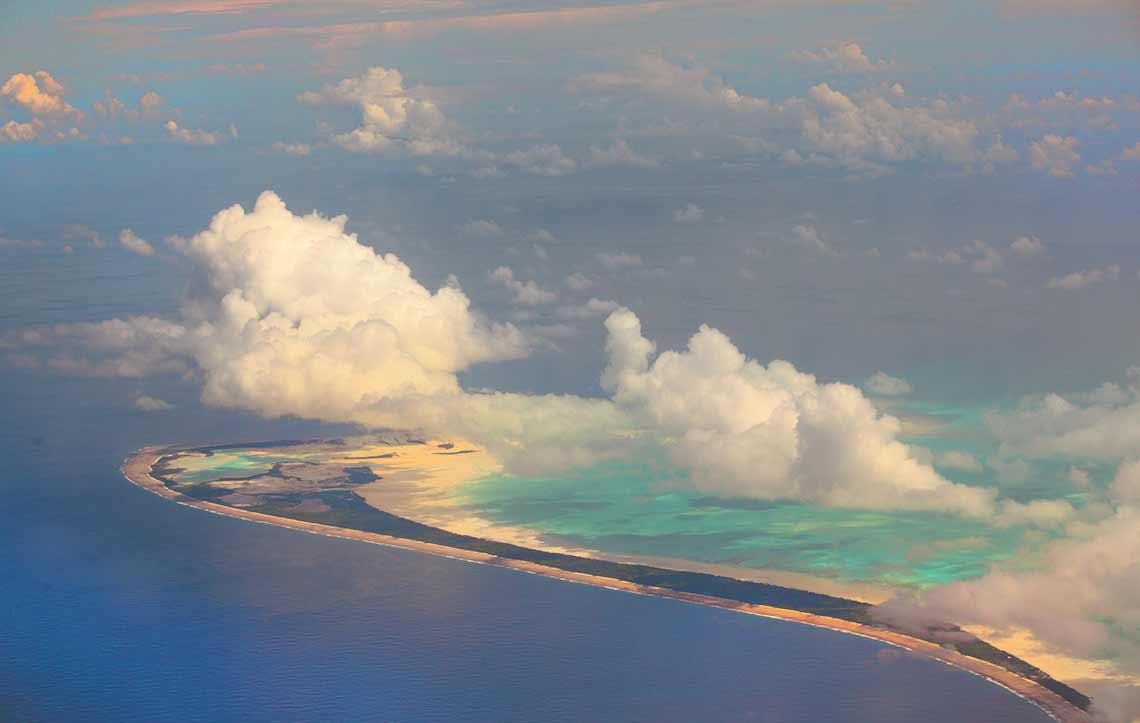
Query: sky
{"x": 751, "y": 234}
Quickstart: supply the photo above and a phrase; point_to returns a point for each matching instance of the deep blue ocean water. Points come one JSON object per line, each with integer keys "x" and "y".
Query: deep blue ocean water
{"x": 120, "y": 606}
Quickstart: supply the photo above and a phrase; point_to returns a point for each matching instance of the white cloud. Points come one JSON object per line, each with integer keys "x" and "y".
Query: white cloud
{"x": 1097, "y": 570}
{"x": 1081, "y": 279}
{"x": 326, "y": 330}
{"x": 862, "y": 131}
{"x": 143, "y": 403}
{"x": 808, "y": 237}
{"x": 957, "y": 459}
{"x": 1103, "y": 425}
{"x": 618, "y": 261}
{"x": 547, "y": 160}
{"x": 293, "y": 149}
{"x": 578, "y": 281}
{"x": 689, "y": 213}
{"x": 884, "y": 385}
{"x": 392, "y": 117}
{"x": 868, "y": 127}
{"x": 14, "y": 132}
{"x": 150, "y": 107}
{"x": 191, "y": 136}
{"x": 482, "y": 228}
{"x": 652, "y": 74}
{"x": 130, "y": 241}
{"x": 38, "y": 94}
{"x": 845, "y": 57}
{"x": 983, "y": 258}
{"x": 742, "y": 429}
{"x": 77, "y": 231}
{"x": 1055, "y": 154}
{"x": 1079, "y": 478}
{"x": 619, "y": 154}
{"x": 999, "y": 152}
{"x": 526, "y": 293}
{"x": 1105, "y": 167}
{"x": 588, "y": 310}
{"x": 1027, "y": 246}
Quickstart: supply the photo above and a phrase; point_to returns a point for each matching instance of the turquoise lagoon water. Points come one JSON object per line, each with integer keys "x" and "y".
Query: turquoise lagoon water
{"x": 644, "y": 509}
{"x": 647, "y": 509}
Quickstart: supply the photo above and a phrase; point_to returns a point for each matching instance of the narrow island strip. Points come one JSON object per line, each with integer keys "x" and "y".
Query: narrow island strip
{"x": 1059, "y": 701}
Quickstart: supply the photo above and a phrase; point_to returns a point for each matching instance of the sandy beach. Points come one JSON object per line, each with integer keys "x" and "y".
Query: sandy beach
{"x": 137, "y": 469}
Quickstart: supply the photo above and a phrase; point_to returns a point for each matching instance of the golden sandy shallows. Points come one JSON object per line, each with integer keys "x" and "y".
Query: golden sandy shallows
{"x": 137, "y": 469}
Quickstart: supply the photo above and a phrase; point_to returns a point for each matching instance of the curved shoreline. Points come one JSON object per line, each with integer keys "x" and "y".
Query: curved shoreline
{"x": 137, "y": 469}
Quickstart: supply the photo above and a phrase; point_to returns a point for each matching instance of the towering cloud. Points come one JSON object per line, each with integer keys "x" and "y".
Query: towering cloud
{"x": 743, "y": 429}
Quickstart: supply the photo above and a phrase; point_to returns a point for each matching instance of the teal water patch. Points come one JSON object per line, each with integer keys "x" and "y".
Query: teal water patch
{"x": 242, "y": 462}
{"x": 636, "y": 509}
{"x": 646, "y": 509}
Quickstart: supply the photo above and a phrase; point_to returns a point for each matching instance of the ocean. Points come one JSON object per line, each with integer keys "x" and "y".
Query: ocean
{"x": 120, "y": 606}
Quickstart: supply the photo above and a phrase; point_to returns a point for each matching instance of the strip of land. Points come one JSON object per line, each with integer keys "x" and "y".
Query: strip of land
{"x": 848, "y": 616}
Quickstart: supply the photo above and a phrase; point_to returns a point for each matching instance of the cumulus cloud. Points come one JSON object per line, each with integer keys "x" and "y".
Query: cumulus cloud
{"x": 326, "y": 328}
{"x": 616, "y": 261}
{"x": 77, "y": 231}
{"x": 150, "y": 106}
{"x": 652, "y": 74}
{"x": 1055, "y": 154}
{"x": 1081, "y": 279}
{"x": 526, "y": 293}
{"x": 38, "y": 94}
{"x": 981, "y": 257}
{"x": 1027, "y": 246}
{"x": 578, "y": 281}
{"x": 131, "y": 241}
{"x": 392, "y": 117}
{"x": 1081, "y": 599}
{"x": 293, "y": 149}
{"x": 619, "y": 154}
{"x": 957, "y": 459}
{"x": 1102, "y": 425}
{"x": 845, "y": 57}
{"x": 589, "y": 310}
{"x": 863, "y": 131}
{"x": 482, "y": 228}
{"x": 884, "y": 385}
{"x": 808, "y": 237}
{"x": 547, "y": 160}
{"x": 15, "y": 132}
{"x": 191, "y": 136}
{"x": 874, "y": 127}
{"x": 143, "y": 403}
{"x": 1094, "y": 563}
{"x": 689, "y": 213}
{"x": 772, "y": 432}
